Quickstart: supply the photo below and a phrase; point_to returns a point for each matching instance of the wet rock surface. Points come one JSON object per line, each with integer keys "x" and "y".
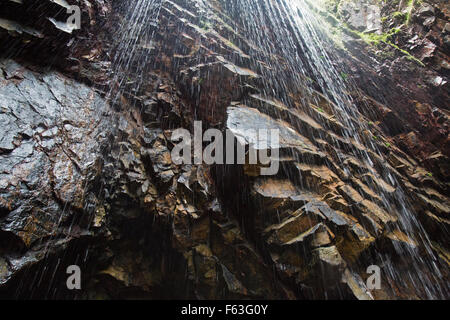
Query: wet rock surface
{"x": 87, "y": 177}
{"x": 55, "y": 135}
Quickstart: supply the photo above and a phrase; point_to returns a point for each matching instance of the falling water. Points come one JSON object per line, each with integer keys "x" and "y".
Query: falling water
{"x": 131, "y": 53}
{"x": 300, "y": 32}
{"x": 130, "y": 58}
{"x": 291, "y": 30}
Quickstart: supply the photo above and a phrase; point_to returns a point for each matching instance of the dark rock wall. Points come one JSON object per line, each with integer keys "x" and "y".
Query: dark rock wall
{"x": 86, "y": 175}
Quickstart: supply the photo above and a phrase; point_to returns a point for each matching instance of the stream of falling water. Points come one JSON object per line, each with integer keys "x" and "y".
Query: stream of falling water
{"x": 301, "y": 44}
{"x": 424, "y": 273}
{"x": 298, "y": 29}
{"x": 298, "y": 33}
{"x": 136, "y": 31}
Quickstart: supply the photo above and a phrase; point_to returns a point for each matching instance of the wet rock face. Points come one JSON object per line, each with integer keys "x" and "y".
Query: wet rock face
{"x": 54, "y": 132}
{"x": 362, "y": 15}
{"x": 37, "y": 29}
{"x": 83, "y": 182}
{"x": 412, "y": 56}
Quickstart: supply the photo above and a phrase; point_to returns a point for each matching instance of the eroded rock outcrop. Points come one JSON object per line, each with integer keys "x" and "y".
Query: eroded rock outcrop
{"x": 87, "y": 176}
